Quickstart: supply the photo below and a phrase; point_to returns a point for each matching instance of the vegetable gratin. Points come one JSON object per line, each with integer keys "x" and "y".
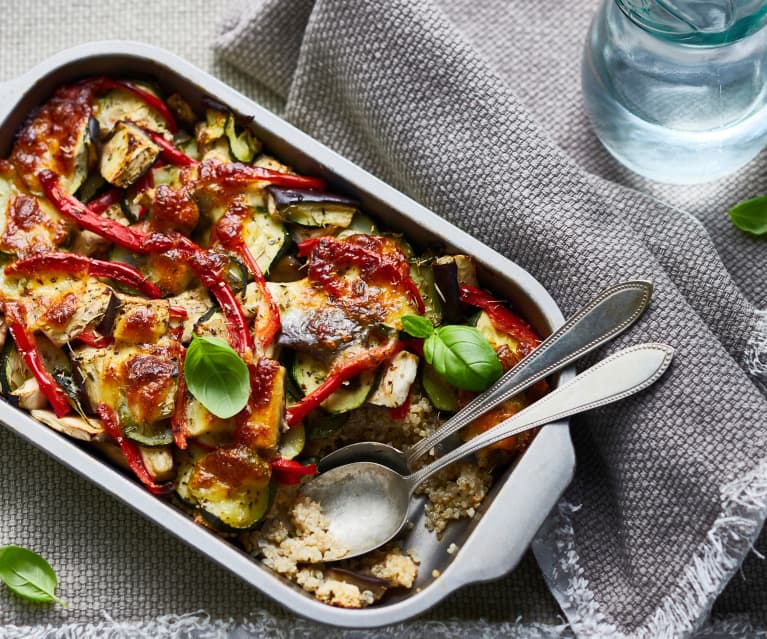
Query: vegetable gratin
{"x": 214, "y": 322}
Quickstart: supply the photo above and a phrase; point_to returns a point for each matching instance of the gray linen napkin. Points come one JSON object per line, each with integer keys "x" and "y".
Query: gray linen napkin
{"x": 670, "y": 489}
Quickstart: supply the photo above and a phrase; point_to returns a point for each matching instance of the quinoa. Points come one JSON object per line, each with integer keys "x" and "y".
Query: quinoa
{"x": 454, "y": 493}
{"x": 294, "y": 540}
{"x": 374, "y": 423}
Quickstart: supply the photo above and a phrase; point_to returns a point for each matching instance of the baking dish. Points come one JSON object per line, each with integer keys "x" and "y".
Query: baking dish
{"x": 493, "y": 542}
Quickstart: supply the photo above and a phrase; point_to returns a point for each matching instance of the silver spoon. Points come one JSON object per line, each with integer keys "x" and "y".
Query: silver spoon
{"x": 606, "y": 316}
{"x": 367, "y": 503}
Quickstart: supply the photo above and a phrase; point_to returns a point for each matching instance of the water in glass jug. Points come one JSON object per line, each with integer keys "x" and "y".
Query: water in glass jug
{"x": 676, "y": 89}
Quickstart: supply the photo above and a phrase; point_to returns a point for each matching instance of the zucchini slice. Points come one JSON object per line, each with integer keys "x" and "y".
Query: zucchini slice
{"x": 120, "y": 104}
{"x": 236, "y": 274}
{"x": 308, "y": 373}
{"x": 321, "y": 425}
{"x": 361, "y": 224}
{"x": 151, "y": 435}
{"x": 230, "y": 487}
{"x": 422, "y": 274}
{"x": 168, "y": 174}
{"x": 213, "y": 129}
{"x": 306, "y": 207}
{"x": 292, "y": 442}
{"x": 266, "y": 239}
{"x": 13, "y": 371}
{"x": 244, "y": 145}
{"x": 91, "y": 187}
{"x": 442, "y": 395}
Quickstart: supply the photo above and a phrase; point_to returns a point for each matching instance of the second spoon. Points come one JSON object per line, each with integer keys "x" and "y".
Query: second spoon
{"x": 604, "y": 318}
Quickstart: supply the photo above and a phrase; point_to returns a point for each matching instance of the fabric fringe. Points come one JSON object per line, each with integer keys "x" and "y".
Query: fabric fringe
{"x": 755, "y": 353}
{"x": 686, "y": 606}
{"x": 199, "y": 625}
{"x": 735, "y": 627}
{"x": 744, "y": 507}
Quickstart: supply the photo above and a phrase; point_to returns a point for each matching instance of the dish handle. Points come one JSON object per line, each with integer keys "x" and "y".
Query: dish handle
{"x": 493, "y": 550}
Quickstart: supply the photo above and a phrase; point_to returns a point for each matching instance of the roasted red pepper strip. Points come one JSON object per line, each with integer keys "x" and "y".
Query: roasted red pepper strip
{"x": 170, "y": 153}
{"x": 75, "y": 264}
{"x": 178, "y": 419}
{"x": 501, "y": 317}
{"x": 327, "y": 254}
{"x": 72, "y": 208}
{"x": 196, "y": 258}
{"x": 338, "y": 375}
{"x": 289, "y": 471}
{"x": 89, "y": 337}
{"x": 131, "y": 451}
{"x": 104, "y": 201}
{"x": 267, "y": 331}
{"x": 228, "y": 232}
{"x": 237, "y": 174}
{"x": 25, "y": 342}
{"x": 206, "y": 271}
{"x": 178, "y": 312}
{"x": 152, "y": 100}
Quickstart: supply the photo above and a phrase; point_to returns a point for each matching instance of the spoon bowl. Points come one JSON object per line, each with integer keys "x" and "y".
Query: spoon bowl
{"x": 366, "y": 503}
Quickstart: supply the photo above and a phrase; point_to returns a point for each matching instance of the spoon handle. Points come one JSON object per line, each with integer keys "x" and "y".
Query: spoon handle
{"x": 605, "y": 317}
{"x": 626, "y": 372}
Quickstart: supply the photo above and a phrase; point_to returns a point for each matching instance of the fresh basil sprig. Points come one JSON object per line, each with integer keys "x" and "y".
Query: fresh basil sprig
{"x": 750, "y": 215}
{"x": 460, "y": 354}
{"x": 28, "y": 575}
{"x": 216, "y": 375}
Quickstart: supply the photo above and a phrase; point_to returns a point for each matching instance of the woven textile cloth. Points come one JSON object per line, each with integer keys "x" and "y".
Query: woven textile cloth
{"x": 448, "y": 102}
{"x": 472, "y": 108}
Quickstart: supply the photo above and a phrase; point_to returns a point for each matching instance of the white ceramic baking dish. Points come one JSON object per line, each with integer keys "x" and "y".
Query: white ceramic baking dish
{"x": 493, "y": 542}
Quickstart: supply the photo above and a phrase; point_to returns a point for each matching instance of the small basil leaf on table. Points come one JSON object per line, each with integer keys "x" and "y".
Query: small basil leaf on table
{"x": 27, "y": 574}
{"x": 463, "y": 356}
{"x": 417, "y": 326}
{"x": 216, "y": 375}
{"x": 750, "y": 215}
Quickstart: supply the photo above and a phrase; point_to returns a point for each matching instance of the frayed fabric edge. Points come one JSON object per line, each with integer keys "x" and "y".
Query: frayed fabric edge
{"x": 199, "y": 625}
{"x": 686, "y": 607}
{"x": 755, "y": 352}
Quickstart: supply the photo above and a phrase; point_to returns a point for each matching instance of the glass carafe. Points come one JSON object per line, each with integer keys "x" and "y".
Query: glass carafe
{"x": 676, "y": 89}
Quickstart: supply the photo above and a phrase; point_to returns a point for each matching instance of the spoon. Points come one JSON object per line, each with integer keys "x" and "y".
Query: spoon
{"x": 367, "y": 503}
{"x": 606, "y": 316}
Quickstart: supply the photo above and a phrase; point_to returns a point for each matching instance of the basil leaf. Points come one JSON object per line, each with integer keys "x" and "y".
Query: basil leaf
{"x": 750, "y": 215}
{"x": 417, "y": 326}
{"x": 216, "y": 375}
{"x": 27, "y": 574}
{"x": 463, "y": 356}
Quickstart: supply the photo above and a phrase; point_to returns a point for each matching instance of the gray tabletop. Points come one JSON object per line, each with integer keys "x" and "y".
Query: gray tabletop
{"x": 39, "y": 29}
